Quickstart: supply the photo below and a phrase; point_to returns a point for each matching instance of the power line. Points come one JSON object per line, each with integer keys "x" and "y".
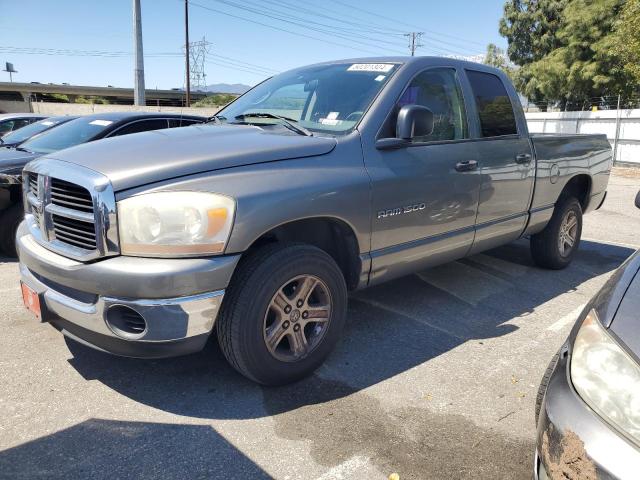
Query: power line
{"x": 371, "y": 28}
{"x": 340, "y": 32}
{"x": 305, "y": 24}
{"x": 274, "y": 27}
{"x": 228, "y": 61}
{"x": 377, "y": 15}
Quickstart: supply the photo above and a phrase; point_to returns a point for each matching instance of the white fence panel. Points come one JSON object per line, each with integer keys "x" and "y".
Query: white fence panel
{"x": 624, "y": 123}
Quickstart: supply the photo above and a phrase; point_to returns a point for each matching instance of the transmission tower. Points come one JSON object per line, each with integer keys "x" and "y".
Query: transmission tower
{"x": 414, "y": 41}
{"x": 198, "y": 52}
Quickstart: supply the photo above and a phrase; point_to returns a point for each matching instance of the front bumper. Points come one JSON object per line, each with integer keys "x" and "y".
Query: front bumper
{"x": 573, "y": 441}
{"x": 178, "y": 299}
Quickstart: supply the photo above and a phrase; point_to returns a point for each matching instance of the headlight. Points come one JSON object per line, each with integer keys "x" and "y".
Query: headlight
{"x": 606, "y": 377}
{"x": 175, "y": 224}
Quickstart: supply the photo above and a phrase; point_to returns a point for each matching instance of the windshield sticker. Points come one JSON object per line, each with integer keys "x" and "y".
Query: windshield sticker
{"x": 102, "y": 123}
{"x": 47, "y": 123}
{"x": 370, "y": 67}
{"x": 379, "y": 78}
{"x": 330, "y": 121}
{"x": 332, "y": 115}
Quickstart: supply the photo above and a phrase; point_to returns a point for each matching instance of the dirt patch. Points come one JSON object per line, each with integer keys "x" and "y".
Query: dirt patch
{"x": 565, "y": 456}
{"x": 626, "y": 172}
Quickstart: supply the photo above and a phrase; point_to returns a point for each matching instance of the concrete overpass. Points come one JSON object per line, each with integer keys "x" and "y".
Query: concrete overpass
{"x": 37, "y": 92}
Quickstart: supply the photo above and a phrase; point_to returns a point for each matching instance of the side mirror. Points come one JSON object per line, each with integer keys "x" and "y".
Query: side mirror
{"x": 638, "y": 200}
{"x": 414, "y": 121}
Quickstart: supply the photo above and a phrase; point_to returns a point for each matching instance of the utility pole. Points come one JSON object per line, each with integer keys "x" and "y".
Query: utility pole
{"x": 138, "y": 72}
{"x": 414, "y": 41}
{"x": 186, "y": 46}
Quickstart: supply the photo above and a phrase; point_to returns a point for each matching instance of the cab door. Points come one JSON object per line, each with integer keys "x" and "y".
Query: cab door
{"x": 425, "y": 194}
{"x": 506, "y": 162}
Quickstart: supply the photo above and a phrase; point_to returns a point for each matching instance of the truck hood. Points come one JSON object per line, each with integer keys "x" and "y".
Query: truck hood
{"x": 133, "y": 160}
{"x": 12, "y": 161}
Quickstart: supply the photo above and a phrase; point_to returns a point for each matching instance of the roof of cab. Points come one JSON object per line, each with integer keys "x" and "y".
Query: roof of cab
{"x": 409, "y": 60}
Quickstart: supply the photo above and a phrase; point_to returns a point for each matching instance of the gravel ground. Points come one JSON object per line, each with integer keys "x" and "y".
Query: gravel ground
{"x": 436, "y": 378}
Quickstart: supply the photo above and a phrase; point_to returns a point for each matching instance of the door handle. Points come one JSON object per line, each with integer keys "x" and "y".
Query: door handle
{"x": 523, "y": 158}
{"x": 466, "y": 166}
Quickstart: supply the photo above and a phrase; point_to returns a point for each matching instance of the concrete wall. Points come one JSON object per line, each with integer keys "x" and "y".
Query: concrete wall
{"x": 85, "y": 109}
{"x": 9, "y": 106}
{"x": 623, "y": 123}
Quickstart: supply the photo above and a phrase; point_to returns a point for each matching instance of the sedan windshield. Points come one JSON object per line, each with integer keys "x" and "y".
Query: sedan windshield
{"x": 321, "y": 98}
{"x": 71, "y": 133}
{"x": 29, "y": 131}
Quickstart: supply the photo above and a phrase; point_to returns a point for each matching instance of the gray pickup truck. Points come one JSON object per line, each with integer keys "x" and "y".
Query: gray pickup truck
{"x": 318, "y": 181}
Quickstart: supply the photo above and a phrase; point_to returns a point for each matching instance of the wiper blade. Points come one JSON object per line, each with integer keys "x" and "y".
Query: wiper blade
{"x": 289, "y": 123}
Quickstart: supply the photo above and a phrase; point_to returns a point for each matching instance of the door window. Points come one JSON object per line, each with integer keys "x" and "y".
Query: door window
{"x": 142, "y": 126}
{"x": 439, "y": 91}
{"x": 182, "y": 122}
{"x": 493, "y": 103}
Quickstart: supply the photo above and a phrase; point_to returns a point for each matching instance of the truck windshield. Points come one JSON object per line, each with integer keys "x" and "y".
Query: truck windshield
{"x": 321, "y": 98}
{"x": 67, "y": 135}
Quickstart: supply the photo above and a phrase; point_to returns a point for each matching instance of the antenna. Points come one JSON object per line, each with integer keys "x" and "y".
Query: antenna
{"x": 10, "y": 70}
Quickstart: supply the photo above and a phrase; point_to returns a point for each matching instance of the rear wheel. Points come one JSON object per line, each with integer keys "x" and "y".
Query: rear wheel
{"x": 9, "y": 221}
{"x": 283, "y": 313}
{"x": 555, "y": 246}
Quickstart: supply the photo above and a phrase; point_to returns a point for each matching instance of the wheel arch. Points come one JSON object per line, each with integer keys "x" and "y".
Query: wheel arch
{"x": 332, "y": 235}
{"x": 578, "y": 186}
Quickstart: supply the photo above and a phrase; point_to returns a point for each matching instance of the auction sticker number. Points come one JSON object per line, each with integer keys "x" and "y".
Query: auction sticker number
{"x": 370, "y": 67}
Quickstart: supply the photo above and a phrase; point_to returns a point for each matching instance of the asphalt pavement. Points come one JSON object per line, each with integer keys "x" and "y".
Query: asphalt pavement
{"x": 436, "y": 377}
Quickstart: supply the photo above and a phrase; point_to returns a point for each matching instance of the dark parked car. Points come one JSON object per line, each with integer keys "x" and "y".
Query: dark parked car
{"x": 80, "y": 130}
{"x": 320, "y": 180}
{"x": 10, "y": 122}
{"x": 23, "y": 134}
{"x": 588, "y": 406}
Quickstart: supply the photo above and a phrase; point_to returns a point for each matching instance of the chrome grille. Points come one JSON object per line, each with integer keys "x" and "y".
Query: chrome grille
{"x": 75, "y": 232}
{"x": 33, "y": 183}
{"x": 69, "y": 195}
{"x": 70, "y": 209}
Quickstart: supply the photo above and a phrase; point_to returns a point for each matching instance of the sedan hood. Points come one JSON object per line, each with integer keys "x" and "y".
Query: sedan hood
{"x": 12, "y": 161}
{"x": 133, "y": 160}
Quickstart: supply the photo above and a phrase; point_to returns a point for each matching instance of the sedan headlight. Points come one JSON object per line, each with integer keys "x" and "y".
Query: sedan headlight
{"x": 606, "y": 377}
{"x": 175, "y": 224}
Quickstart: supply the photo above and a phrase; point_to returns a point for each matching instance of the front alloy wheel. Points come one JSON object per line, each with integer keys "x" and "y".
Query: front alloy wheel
{"x": 283, "y": 313}
{"x": 297, "y": 318}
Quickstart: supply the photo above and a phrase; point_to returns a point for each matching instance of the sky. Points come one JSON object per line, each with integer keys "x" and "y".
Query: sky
{"x": 90, "y": 42}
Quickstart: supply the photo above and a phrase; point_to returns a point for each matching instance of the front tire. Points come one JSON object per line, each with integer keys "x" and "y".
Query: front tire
{"x": 283, "y": 313}
{"x": 555, "y": 246}
{"x": 9, "y": 221}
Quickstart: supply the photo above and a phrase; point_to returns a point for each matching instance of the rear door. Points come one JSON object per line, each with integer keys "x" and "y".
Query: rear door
{"x": 507, "y": 167}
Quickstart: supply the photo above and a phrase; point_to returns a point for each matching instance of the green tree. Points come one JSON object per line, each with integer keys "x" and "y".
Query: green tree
{"x": 570, "y": 56}
{"x": 496, "y": 57}
{"x": 531, "y": 27}
{"x": 215, "y": 100}
{"x": 626, "y": 41}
